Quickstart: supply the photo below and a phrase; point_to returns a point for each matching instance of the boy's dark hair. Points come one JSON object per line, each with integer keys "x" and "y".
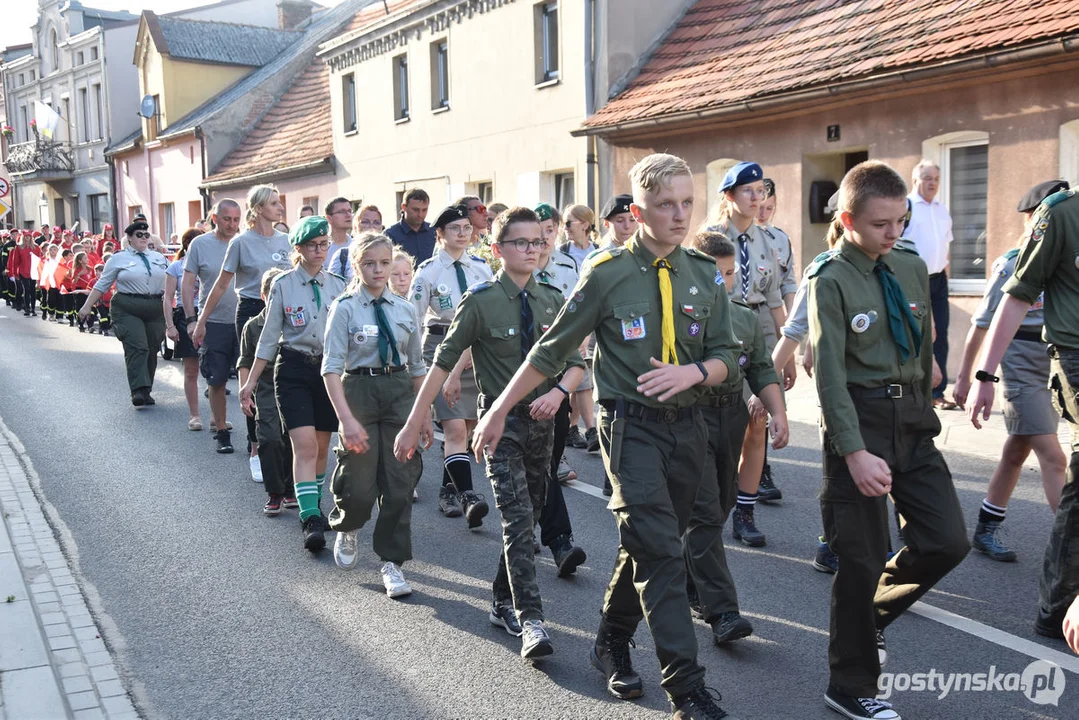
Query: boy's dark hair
{"x": 329, "y": 206}
{"x": 714, "y": 243}
{"x": 508, "y": 217}
{"x": 417, "y": 194}
{"x": 867, "y": 180}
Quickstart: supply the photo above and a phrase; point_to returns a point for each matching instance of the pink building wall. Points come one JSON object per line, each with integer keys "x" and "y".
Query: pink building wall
{"x": 324, "y": 187}
{"x": 153, "y": 177}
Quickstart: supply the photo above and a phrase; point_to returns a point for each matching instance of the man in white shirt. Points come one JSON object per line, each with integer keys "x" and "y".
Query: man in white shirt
{"x": 339, "y": 214}
{"x": 931, "y": 230}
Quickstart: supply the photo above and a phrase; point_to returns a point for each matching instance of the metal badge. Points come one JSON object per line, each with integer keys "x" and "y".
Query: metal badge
{"x": 443, "y": 289}
{"x": 860, "y": 323}
{"x": 550, "y": 311}
{"x": 277, "y": 257}
{"x": 578, "y": 296}
{"x": 359, "y": 338}
{"x": 872, "y": 316}
{"x": 693, "y": 290}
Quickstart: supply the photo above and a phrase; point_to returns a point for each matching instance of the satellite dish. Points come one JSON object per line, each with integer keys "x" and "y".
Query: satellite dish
{"x": 148, "y": 108}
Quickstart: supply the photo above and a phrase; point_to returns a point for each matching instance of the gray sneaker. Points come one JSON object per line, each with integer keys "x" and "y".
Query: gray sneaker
{"x": 448, "y": 504}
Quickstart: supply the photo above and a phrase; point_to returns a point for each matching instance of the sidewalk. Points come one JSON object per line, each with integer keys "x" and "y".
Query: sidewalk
{"x": 53, "y": 662}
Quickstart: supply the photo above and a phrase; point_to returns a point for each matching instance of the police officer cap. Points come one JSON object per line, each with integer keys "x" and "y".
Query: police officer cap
{"x": 1039, "y": 192}
{"x": 545, "y": 212}
{"x": 616, "y": 206}
{"x": 451, "y": 214}
{"x": 741, "y": 174}
{"x": 309, "y": 228}
{"x": 135, "y": 227}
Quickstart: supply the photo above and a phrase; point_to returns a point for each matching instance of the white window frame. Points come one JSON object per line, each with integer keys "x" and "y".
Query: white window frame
{"x": 958, "y": 286}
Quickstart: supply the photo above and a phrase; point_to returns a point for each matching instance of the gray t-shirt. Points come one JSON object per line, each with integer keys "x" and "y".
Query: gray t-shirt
{"x": 176, "y": 269}
{"x": 204, "y": 257}
{"x": 1003, "y": 269}
{"x": 249, "y": 255}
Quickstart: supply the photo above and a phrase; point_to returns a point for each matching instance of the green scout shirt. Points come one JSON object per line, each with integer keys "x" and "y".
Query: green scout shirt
{"x": 1049, "y": 261}
{"x": 754, "y": 363}
{"x": 249, "y": 340}
{"x": 618, "y": 298}
{"x": 845, "y": 296}
{"x": 488, "y": 320}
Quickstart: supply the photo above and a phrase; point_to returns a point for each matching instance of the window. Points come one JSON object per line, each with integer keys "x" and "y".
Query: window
{"x": 563, "y": 190}
{"x": 348, "y": 101}
{"x": 485, "y": 191}
{"x": 33, "y": 75}
{"x": 284, "y": 206}
{"x": 93, "y": 53}
{"x": 80, "y": 58}
{"x": 965, "y": 190}
{"x": 313, "y": 202}
{"x": 400, "y": 88}
{"x": 546, "y": 42}
{"x": 98, "y": 111}
{"x": 54, "y": 53}
{"x": 132, "y": 211}
{"x": 165, "y": 220}
{"x": 440, "y": 75}
{"x": 99, "y": 212}
{"x": 66, "y": 116}
{"x": 194, "y": 212}
{"x": 84, "y": 112}
{"x": 22, "y": 79}
{"x": 25, "y": 124}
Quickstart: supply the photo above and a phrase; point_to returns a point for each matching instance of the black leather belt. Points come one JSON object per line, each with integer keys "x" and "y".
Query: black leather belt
{"x": 437, "y": 329}
{"x": 143, "y": 296}
{"x": 485, "y": 403}
{"x": 649, "y": 414}
{"x": 377, "y": 371}
{"x": 301, "y": 356}
{"x": 1029, "y": 335}
{"x": 720, "y": 401}
{"x": 891, "y": 392}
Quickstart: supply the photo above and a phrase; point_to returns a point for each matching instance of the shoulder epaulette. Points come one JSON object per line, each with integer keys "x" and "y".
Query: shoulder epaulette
{"x": 1059, "y": 197}
{"x": 601, "y": 256}
{"x": 906, "y": 245}
{"x": 481, "y": 286}
{"x": 478, "y": 258}
{"x": 1011, "y": 254}
{"x": 339, "y": 277}
{"x": 768, "y": 232}
{"x": 424, "y": 264}
{"x": 820, "y": 261}
{"x": 698, "y": 255}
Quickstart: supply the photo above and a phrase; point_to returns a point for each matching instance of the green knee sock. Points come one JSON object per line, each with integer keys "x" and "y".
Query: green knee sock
{"x": 307, "y": 494}
{"x": 321, "y": 480}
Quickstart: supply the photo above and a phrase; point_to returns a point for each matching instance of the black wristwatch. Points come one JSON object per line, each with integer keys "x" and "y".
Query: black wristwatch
{"x": 983, "y": 376}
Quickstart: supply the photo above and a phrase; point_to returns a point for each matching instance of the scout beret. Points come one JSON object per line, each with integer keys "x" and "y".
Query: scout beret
{"x": 741, "y": 174}
{"x": 451, "y": 214}
{"x": 135, "y": 227}
{"x": 616, "y": 206}
{"x": 308, "y": 228}
{"x": 545, "y": 212}
{"x": 1039, "y": 192}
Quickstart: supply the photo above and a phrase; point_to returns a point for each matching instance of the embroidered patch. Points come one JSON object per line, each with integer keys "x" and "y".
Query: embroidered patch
{"x": 418, "y": 296}
{"x": 544, "y": 328}
{"x": 694, "y": 329}
{"x": 719, "y": 278}
{"x": 297, "y": 318}
{"x": 445, "y": 302}
{"x": 860, "y": 323}
{"x": 687, "y": 308}
{"x": 742, "y": 360}
{"x": 633, "y": 329}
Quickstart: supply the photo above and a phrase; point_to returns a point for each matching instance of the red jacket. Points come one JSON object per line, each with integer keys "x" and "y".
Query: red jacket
{"x": 20, "y": 261}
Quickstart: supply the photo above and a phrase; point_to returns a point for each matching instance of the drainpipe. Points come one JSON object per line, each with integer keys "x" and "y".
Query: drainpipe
{"x": 204, "y": 191}
{"x": 589, "y": 100}
{"x": 111, "y": 162}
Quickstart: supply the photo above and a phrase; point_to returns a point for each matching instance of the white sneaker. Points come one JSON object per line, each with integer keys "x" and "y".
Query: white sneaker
{"x": 344, "y": 550}
{"x": 396, "y": 585}
{"x": 415, "y": 495}
{"x": 535, "y": 642}
{"x": 256, "y": 468}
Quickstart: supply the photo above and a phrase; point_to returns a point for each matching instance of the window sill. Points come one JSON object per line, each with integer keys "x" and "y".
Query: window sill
{"x": 440, "y": 110}
{"x": 350, "y": 133}
{"x": 400, "y": 121}
{"x": 549, "y": 83}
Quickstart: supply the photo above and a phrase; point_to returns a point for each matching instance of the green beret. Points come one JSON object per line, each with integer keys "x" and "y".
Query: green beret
{"x": 546, "y": 212}
{"x": 309, "y": 228}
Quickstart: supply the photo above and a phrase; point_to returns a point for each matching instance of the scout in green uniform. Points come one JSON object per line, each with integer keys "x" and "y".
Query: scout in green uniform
{"x": 294, "y": 334}
{"x": 373, "y": 340}
{"x": 662, "y": 331}
{"x": 712, "y": 594}
{"x": 500, "y": 320}
{"x": 869, "y": 325}
{"x": 1048, "y": 262}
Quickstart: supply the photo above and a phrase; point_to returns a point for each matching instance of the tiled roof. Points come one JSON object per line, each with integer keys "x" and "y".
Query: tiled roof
{"x": 219, "y": 42}
{"x": 726, "y": 52}
{"x": 295, "y": 132}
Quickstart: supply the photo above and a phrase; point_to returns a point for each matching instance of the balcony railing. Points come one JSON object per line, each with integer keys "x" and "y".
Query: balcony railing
{"x": 39, "y": 155}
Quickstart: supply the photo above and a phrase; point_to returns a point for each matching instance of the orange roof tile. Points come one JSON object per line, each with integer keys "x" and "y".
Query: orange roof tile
{"x": 725, "y": 52}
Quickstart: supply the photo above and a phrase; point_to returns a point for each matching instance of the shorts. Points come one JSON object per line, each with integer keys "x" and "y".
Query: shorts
{"x": 586, "y": 382}
{"x": 219, "y": 352}
{"x": 184, "y": 347}
{"x": 1024, "y": 383}
{"x": 466, "y": 406}
{"x": 301, "y": 394}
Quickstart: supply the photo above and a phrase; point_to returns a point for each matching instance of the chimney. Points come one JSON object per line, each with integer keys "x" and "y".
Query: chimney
{"x": 292, "y": 13}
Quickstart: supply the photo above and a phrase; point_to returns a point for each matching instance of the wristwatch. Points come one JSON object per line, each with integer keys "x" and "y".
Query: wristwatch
{"x": 191, "y": 319}
{"x": 983, "y": 376}
{"x": 564, "y": 390}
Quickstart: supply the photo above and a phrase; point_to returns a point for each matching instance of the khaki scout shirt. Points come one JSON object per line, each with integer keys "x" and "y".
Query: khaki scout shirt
{"x": 560, "y": 273}
{"x": 754, "y": 363}
{"x": 781, "y": 243}
{"x": 294, "y": 319}
{"x": 130, "y": 274}
{"x": 852, "y": 340}
{"x": 488, "y": 320}
{"x": 352, "y": 333}
{"x": 765, "y": 277}
{"x": 618, "y": 298}
{"x": 1049, "y": 261}
{"x": 435, "y": 290}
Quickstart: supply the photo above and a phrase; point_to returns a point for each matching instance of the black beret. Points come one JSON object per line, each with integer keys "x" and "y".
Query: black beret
{"x": 616, "y": 206}
{"x": 451, "y": 214}
{"x": 1039, "y": 192}
{"x": 135, "y": 227}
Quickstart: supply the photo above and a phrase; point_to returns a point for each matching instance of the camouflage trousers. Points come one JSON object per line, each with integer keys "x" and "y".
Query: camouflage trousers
{"x": 519, "y": 471}
{"x": 1060, "y": 569}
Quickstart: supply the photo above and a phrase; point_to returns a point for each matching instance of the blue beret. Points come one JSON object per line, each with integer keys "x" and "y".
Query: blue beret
{"x": 741, "y": 174}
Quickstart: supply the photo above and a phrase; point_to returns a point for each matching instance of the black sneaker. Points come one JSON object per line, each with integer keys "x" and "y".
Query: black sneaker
{"x": 856, "y": 708}
{"x": 503, "y": 615}
{"x": 575, "y": 440}
{"x": 768, "y": 492}
{"x": 699, "y": 704}
{"x": 695, "y": 608}
{"x": 313, "y": 537}
{"x": 150, "y": 399}
{"x": 475, "y": 508}
{"x": 744, "y": 529}
{"x": 730, "y": 626}
{"x": 448, "y": 504}
{"x": 610, "y": 655}
{"x": 567, "y": 556}
{"x": 272, "y": 506}
{"x": 1049, "y": 626}
{"x": 138, "y": 398}
{"x": 224, "y": 442}
{"x": 592, "y": 438}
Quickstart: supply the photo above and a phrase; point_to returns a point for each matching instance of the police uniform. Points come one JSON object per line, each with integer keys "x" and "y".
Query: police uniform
{"x": 872, "y": 340}
{"x": 1048, "y": 262}
{"x": 653, "y": 452}
{"x": 275, "y": 450}
{"x": 378, "y": 385}
{"x": 137, "y": 312}
{"x": 493, "y": 321}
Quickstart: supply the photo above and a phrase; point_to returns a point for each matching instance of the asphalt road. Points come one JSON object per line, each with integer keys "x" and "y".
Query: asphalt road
{"x": 216, "y": 611}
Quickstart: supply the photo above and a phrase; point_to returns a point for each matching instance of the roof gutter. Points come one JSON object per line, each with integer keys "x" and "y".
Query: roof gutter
{"x": 300, "y": 170}
{"x": 1057, "y": 46}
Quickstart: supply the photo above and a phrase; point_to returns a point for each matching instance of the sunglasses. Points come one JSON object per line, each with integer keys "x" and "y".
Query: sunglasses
{"x": 481, "y": 208}
{"x": 141, "y": 234}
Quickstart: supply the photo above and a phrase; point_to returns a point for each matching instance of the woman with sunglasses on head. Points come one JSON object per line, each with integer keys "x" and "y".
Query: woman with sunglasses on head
{"x": 440, "y": 282}
{"x": 138, "y": 308}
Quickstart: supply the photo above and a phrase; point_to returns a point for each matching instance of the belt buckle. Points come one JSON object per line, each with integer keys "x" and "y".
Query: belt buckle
{"x": 895, "y": 392}
{"x": 669, "y": 415}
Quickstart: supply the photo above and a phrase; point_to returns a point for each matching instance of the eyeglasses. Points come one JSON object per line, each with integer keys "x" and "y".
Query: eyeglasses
{"x": 459, "y": 229}
{"x": 376, "y": 224}
{"x": 140, "y": 234}
{"x": 346, "y": 211}
{"x": 316, "y": 246}
{"x": 525, "y": 245}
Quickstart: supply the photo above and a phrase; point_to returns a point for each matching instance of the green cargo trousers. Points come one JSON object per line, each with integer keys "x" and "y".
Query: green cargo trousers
{"x": 139, "y": 324}
{"x": 657, "y": 468}
{"x": 869, "y": 593}
{"x": 381, "y": 404}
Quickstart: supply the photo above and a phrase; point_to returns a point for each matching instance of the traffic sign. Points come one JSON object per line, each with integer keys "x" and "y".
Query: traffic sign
{"x": 4, "y": 188}
{"x": 3, "y": 208}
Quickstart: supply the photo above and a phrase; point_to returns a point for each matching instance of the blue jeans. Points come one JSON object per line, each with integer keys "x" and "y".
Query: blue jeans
{"x": 938, "y": 296}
